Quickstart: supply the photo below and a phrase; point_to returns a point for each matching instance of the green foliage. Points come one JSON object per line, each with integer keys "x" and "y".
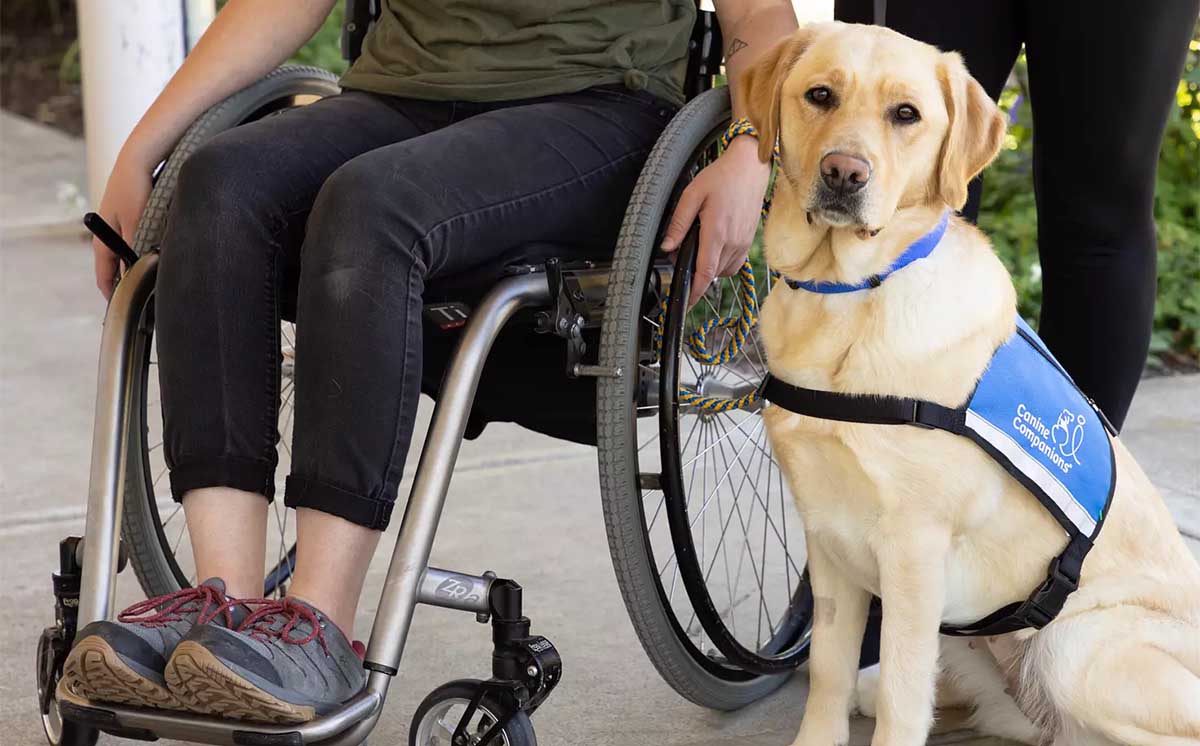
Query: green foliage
{"x": 325, "y": 48}
{"x": 1009, "y": 215}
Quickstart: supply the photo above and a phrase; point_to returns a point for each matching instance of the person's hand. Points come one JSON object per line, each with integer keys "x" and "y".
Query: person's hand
{"x": 121, "y": 207}
{"x": 727, "y": 196}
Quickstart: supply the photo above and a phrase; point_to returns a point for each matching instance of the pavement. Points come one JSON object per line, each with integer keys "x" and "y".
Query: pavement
{"x": 521, "y": 504}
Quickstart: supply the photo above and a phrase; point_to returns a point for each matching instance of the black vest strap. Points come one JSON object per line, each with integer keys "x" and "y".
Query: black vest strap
{"x": 1063, "y": 579}
{"x": 1040, "y": 608}
{"x": 874, "y": 410}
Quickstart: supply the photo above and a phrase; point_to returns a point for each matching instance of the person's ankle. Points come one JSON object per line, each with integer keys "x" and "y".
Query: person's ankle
{"x": 341, "y": 618}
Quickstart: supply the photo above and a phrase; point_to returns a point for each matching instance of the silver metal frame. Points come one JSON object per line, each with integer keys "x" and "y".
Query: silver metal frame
{"x": 409, "y": 580}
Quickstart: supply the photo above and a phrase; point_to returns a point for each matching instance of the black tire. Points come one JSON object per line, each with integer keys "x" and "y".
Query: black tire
{"x": 142, "y": 527}
{"x": 692, "y": 668}
{"x": 457, "y": 694}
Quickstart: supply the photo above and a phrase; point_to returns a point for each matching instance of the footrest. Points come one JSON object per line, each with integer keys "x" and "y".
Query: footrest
{"x": 101, "y": 719}
{"x": 149, "y": 724}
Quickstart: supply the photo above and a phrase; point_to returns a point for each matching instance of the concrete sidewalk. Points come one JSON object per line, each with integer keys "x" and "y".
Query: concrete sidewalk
{"x": 516, "y": 484}
{"x": 41, "y": 181}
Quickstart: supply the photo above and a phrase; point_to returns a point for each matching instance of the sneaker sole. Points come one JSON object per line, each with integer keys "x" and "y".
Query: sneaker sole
{"x": 93, "y": 672}
{"x": 199, "y": 679}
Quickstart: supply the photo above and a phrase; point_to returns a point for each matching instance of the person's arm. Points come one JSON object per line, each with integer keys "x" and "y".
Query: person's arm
{"x": 246, "y": 40}
{"x": 727, "y": 196}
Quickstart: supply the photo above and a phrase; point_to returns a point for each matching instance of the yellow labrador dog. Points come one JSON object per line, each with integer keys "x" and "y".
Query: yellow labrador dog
{"x": 880, "y": 135}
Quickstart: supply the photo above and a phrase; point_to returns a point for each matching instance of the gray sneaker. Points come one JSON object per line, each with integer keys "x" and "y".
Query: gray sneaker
{"x": 123, "y": 661}
{"x": 285, "y": 663}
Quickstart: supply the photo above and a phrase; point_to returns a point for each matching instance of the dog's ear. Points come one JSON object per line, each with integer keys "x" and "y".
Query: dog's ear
{"x": 975, "y": 134}
{"x": 759, "y": 87}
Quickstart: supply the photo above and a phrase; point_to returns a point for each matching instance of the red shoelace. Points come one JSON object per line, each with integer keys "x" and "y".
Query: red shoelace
{"x": 162, "y": 610}
{"x": 261, "y": 621}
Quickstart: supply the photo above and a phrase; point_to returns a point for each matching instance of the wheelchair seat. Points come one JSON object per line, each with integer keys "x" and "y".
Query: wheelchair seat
{"x": 524, "y": 380}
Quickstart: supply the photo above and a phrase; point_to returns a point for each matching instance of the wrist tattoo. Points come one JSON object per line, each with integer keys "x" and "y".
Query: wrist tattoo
{"x": 735, "y": 46}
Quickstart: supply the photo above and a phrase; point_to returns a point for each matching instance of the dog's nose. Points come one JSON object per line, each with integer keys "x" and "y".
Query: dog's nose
{"x": 845, "y": 173}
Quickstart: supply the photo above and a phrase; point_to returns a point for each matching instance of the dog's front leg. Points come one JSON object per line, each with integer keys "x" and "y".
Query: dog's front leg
{"x": 912, "y": 570}
{"x": 840, "y": 617}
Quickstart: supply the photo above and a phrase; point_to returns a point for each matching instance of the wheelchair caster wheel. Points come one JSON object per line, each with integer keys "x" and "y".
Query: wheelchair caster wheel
{"x": 51, "y": 652}
{"x": 441, "y": 715}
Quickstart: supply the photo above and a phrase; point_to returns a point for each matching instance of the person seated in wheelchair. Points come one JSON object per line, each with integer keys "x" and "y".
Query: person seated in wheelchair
{"x": 465, "y": 130}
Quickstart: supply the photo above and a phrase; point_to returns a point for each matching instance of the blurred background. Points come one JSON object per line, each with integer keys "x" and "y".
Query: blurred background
{"x": 51, "y": 159}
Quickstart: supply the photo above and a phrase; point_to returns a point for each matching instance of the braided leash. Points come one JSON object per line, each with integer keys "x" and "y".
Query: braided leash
{"x": 740, "y": 321}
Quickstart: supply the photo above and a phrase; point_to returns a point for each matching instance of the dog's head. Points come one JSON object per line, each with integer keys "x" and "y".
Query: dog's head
{"x": 870, "y": 121}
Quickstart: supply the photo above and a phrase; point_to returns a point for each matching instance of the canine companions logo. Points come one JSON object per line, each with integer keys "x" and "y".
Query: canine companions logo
{"x": 1057, "y": 443}
{"x": 1068, "y": 438}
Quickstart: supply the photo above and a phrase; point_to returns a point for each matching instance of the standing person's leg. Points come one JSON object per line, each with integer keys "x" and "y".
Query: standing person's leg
{"x": 555, "y": 170}
{"x": 1103, "y": 76}
{"x": 987, "y": 33}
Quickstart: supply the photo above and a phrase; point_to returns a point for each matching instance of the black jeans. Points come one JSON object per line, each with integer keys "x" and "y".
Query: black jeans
{"x": 1102, "y": 77}
{"x": 350, "y": 206}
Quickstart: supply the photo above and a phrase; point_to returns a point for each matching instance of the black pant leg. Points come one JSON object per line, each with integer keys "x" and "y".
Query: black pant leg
{"x": 1103, "y": 76}
{"x": 556, "y": 170}
{"x": 231, "y": 243}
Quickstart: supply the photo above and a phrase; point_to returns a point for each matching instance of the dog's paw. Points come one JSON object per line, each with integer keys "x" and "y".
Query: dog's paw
{"x": 866, "y": 690}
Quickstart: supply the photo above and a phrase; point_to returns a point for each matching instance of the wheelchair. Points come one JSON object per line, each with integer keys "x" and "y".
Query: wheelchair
{"x": 705, "y": 543}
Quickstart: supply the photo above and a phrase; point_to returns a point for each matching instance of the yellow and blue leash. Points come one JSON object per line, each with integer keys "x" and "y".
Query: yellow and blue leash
{"x": 740, "y": 321}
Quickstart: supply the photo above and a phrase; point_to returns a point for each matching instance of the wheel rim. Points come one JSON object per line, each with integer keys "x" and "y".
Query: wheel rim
{"x": 170, "y": 521}
{"x": 52, "y": 722}
{"x": 440, "y": 721}
{"x": 737, "y": 594}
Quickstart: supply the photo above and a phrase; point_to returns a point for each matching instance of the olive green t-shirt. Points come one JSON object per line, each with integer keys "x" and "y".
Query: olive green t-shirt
{"x": 499, "y": 50}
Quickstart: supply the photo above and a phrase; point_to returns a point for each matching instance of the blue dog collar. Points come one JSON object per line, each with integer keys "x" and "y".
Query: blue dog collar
{"x": 919, "y": 249}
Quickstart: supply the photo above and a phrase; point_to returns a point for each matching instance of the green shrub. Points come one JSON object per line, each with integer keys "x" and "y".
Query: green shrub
{"x": 325, "y": 48}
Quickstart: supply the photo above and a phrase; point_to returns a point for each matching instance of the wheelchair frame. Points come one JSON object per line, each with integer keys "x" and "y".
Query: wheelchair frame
{"x": 528, "y": 662}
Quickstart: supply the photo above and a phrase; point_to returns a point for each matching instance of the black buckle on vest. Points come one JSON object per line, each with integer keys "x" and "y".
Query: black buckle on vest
{"x": 1048, "y": 601}
{"x": 916, "y": 419}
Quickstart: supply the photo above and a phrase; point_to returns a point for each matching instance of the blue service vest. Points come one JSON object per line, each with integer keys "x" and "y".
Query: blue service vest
{"x": 1028, "y": 415}
{"x": 1032, "y": 418}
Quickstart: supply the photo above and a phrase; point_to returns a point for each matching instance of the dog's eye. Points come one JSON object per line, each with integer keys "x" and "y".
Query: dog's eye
{"x": 906, "y": 114}
{"x": 819, "y": 95}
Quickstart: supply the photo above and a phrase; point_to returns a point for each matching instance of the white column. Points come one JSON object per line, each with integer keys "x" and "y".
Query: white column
{"x": 128, "y": 51}
{"x": 200, "y": 13}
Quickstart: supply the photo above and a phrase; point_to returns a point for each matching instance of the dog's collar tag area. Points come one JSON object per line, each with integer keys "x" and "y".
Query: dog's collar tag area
{"x": 918, "y": 249}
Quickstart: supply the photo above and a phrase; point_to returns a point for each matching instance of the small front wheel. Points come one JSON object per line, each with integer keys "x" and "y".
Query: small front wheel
{"x": 440, "y": 714}
{"x": 50, "y": 654}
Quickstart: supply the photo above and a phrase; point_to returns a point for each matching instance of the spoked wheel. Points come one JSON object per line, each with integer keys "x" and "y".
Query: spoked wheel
{"x": 154, "y": 528}
{"x": 707, "y": 546}
{"x": 440, "y": 715}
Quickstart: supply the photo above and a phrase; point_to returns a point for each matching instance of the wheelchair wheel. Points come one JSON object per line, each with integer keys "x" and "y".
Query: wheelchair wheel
{"x": 705, "y": 539}
{"x": 439, "y": 715}
{"x": 154, "y": 528}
